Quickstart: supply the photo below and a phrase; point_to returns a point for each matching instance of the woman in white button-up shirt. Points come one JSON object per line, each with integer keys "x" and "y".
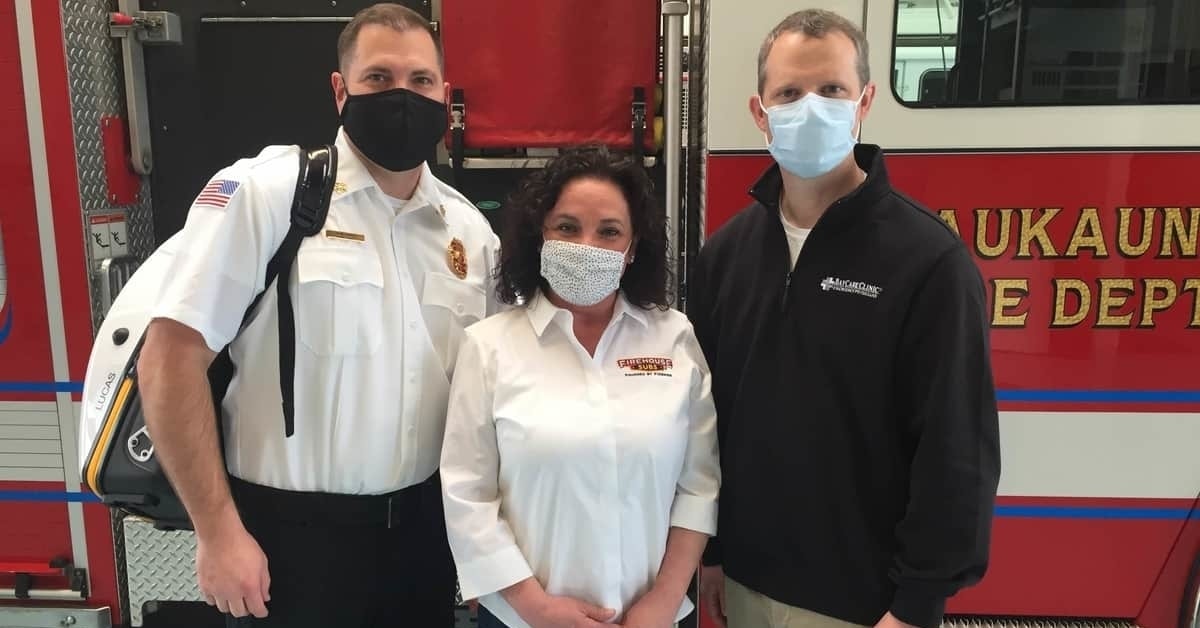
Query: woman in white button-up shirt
{"x": 579, "y": 467}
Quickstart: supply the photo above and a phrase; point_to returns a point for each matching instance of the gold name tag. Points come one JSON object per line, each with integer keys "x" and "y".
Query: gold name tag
{"x": 345, "y": 235}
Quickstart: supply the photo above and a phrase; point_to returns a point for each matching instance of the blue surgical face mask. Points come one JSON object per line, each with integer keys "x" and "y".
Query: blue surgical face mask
{"x": 810, "y": 136}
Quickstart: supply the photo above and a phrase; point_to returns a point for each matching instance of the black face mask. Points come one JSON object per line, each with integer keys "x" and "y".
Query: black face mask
{"x": 396, "y": 129}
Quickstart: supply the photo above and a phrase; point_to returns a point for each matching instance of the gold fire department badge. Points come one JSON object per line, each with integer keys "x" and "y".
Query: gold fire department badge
{"x": 456, "y": 258}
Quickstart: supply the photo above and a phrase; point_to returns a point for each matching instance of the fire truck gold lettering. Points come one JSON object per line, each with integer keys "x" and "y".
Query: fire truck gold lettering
{"x": 1193, "y": 286}
{"x": 1001, "y": 316}
{"x": 1135, "y": 301}
{"x": 1177, "y": 234}
{"x": 951, "y": 219}
{"x": 1088, "y": 235}
{"x": 1114, "y": 292}
{"x": 982, "y": 227}
{"x": 1036, "y": 230}
{"x": 1175, "y": 230}
{"x": 1083, "y": 300}
{"x": 1125, "y": 242}
{"x": 1153, "y": 302}
{"x": 1118, "y": 300}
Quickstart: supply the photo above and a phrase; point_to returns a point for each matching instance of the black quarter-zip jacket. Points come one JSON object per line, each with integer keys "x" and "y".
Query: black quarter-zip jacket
{"x": 856, "y": 409}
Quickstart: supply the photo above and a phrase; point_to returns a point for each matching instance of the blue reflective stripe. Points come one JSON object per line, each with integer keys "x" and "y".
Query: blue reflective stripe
{"x": 42, "y": 387}
{"x": 46, "y": 496}
{"x": 6, "y": 326}
{"x": 1085, "y": 512}
{"x": 1111, "y": 396}
{"x": 1036, "y": 512}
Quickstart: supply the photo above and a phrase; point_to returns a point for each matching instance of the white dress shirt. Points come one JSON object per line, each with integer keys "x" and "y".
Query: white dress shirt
{"x": 572, "y": 469}
{"x": 379, "y": 311}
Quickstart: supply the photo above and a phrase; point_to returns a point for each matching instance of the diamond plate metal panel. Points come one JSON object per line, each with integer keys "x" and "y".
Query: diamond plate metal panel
{"x": 115, "y": 520}
{"x": 98, "y": 89}
{"x": 161, "y": 566}
{"x": 1033, "y": 622}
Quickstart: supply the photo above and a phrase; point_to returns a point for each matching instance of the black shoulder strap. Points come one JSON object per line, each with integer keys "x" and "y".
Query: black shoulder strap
{"x": 310, "y": 206}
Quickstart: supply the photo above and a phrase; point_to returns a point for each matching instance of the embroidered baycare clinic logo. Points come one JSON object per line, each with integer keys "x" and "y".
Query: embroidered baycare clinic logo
{"x": 640, "y": 367}
{"x": 852, "y": 287}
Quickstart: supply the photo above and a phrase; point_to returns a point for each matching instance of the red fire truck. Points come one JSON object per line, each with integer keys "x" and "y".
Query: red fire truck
{"x": 1059, "y": 138}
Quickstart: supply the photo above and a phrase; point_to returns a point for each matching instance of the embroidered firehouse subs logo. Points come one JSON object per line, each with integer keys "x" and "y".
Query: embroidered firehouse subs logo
{"x": 456, "y": 258}
{"x": 643, "y": 367}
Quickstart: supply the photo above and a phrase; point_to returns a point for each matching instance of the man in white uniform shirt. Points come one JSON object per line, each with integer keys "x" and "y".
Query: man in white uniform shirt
{"x": 338, "y": 523}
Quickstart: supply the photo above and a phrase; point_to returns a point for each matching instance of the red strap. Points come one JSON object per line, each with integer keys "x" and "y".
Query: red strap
{"x": 33, "y": 569}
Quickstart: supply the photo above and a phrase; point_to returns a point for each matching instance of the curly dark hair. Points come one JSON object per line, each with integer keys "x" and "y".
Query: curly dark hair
{"x": 645, "y": 281}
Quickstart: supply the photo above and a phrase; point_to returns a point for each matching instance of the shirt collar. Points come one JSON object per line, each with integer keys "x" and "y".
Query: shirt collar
{"x": 542, "y": 312}
{"x": 352, "y": 176}
{"x": 625, "y": 308}
{"x": 869, "y": 158}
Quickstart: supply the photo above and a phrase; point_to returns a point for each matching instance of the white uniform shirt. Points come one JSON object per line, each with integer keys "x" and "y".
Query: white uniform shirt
{"x": 379, "y": 314}
{"x": 572, "y": 468}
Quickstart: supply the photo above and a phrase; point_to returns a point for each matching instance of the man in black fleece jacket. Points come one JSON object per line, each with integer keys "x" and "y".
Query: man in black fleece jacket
{"x": 847, "y": 331}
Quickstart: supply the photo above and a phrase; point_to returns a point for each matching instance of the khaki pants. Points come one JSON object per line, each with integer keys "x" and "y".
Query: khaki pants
{"x": 749, "y": 609}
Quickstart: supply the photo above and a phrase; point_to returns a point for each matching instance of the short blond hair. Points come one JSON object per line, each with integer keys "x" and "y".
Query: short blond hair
{"x": 816, "y": 23}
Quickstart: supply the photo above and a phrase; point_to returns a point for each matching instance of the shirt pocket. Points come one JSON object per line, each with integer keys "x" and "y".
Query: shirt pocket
{"x": 339, "y": 309}
{"x": 450, "y": 305}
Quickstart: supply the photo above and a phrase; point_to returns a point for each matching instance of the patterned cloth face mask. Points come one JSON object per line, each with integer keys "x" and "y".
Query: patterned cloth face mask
{"x": 582, "y": 275}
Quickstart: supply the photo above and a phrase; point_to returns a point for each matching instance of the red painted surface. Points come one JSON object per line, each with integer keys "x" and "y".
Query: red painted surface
{"x": 34, "y": 531}
{"x": 64, "y": 185}
{"x": 727, "y": 183}
{"x": 33, "y": 568}
{"x": 1162, "y": 607}
{"x": 25, "y": 355}
{"x": 522, "y": 91}
{"x": 39, "y": 531}
{"x": 123, "y": 183}
{"x": 1073, "y": 567}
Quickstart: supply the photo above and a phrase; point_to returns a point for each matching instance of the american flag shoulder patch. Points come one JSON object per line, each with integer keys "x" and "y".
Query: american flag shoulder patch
{"x": 217, "y": 193}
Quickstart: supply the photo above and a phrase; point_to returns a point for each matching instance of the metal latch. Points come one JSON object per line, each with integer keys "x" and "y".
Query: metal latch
{"x": 23, "y": 580}
{"x": 136, "y": 28}
{"x": 150, "y": 27}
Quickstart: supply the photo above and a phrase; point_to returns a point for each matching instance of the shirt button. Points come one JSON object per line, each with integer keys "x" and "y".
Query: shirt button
{"x": 461, "y": 308}
{"x": 412, "y": 324}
